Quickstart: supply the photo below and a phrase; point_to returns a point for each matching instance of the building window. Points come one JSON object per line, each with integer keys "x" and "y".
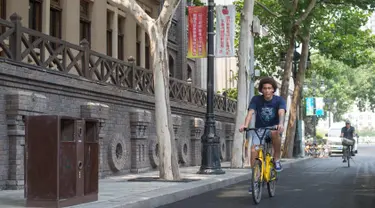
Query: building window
{"x": 85, "y": 23}
{"x": 3, "y": 14}
{"x": 109, "y": 34}
{"x": 189, "y": 72}
{"x": 147, "y": 48}
{"x": 147, "y": 52}
{"x": 120, "y": 41}
{"x": 35, "y": 15}
{"x": 171, "y": 66}
{"x": 138, "y": 31}
{"x": 55, "y": 20}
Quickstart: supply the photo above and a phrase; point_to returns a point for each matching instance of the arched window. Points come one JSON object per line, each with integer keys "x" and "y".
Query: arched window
{"x": 171, "y": 66}
{"x": 189, "y": 74}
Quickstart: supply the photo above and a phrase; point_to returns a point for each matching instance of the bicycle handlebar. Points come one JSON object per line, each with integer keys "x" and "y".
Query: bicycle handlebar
{"x": 273, "y": 128}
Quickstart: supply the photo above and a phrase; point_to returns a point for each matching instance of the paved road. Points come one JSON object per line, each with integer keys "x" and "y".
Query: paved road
{"x": 323, "y": 183}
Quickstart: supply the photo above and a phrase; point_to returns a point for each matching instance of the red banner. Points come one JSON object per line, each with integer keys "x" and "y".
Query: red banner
{"x": 197, "y": 34}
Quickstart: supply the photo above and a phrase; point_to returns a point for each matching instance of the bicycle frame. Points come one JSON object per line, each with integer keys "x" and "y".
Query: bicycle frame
{"x": 265, "y": 161}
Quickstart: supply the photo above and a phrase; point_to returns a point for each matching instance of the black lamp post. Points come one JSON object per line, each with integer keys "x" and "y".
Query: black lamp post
{"x": 210, "y": 141}
{"x": 314, "y": 84}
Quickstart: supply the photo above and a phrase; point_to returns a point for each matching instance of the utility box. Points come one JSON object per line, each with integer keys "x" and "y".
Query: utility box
{"x": 61, "y": 161}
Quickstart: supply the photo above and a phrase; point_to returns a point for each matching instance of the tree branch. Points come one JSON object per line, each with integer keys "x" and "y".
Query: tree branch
{"x": 139, "y": 14}
{"x": 306, "y": 13}
{"x": 167, "y": 12}
{"x": 295, "y": 6}
{"x": 265, "y": 8}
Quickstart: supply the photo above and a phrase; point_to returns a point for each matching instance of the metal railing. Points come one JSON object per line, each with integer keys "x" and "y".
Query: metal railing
{"x": 22, "y": 44}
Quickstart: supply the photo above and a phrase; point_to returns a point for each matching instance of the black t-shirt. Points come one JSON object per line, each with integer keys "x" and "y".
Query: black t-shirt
{"x": 348, "y": 132}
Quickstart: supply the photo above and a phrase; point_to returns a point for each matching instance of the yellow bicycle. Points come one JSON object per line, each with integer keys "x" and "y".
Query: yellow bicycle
{"x": 263, "y": 170}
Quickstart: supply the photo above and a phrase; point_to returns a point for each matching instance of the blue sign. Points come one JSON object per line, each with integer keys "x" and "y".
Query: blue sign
{"x": 310, "y": 105}
{"x": 319, "y": 106}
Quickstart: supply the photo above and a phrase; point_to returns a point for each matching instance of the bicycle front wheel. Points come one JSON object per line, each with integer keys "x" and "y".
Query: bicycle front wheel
{"x": 271, "y": 185}
{"x": 256, "y": 183}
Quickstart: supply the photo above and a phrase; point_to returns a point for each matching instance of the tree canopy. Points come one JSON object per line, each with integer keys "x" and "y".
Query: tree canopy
{"x": 342, "y": 52}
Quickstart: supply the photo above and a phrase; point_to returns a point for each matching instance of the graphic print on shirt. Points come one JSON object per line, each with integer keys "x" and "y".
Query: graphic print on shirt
{"x": 267, "y": 114}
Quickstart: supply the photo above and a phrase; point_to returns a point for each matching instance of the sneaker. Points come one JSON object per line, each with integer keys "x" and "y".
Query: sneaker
{"x": 250, "y": 190}
{"x": 278, "y": 166}
{"x": 344, "y": 161}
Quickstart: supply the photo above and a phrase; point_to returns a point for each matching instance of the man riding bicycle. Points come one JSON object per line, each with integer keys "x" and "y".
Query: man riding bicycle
{"x": 348, "y": 132}
{"x": 270, "y": 111}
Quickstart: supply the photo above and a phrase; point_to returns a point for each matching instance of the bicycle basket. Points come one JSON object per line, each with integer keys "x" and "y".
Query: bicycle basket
{"x": 347, "y": 142}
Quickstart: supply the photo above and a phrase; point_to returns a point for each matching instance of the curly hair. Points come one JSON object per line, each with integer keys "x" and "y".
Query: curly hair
{"x": 267, "y": 80}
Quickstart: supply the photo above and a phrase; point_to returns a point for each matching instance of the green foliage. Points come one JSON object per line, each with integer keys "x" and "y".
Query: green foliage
{"x": 198, "y": 3}
{"x": 366, "y": 132}
{"x": 231, "y": 93}
{"x": 194, "y": 3}
{"x": 344, "y": 52}
{"x": 319, "y": 135}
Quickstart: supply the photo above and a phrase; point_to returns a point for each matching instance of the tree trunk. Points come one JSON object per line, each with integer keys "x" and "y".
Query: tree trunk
{"x": 246, "y": 21}
{"x": 168, "y": 163}
{"x": 158, "y": 32}
{"x": 284, "y": 91}
{"x": 290, "y": 133}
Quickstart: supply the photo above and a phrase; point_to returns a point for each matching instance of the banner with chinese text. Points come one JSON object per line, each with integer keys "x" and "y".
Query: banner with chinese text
{"x": 225, "y": 31}
{"x": 197, "y": 34}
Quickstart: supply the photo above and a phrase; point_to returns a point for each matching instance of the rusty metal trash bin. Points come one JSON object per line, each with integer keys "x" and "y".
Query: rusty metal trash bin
{"x": 61, "y": 161}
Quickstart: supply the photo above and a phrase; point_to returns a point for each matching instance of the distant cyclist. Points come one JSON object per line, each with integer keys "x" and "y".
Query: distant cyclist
{"x": 348, "y": 132}
{"x": 270, "y": 111}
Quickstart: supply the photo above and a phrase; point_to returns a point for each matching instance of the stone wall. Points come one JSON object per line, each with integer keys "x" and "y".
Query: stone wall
{"x": 127, "y": 135}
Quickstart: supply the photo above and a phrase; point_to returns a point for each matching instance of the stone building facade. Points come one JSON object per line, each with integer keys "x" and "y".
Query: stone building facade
{"x": 108, "y": 29}
{"x": 43, "y": 75}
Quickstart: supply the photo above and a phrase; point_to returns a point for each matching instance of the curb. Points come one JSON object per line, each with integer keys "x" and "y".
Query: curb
{"x": 176, "y": 193}
{"x": 185, "y": 193}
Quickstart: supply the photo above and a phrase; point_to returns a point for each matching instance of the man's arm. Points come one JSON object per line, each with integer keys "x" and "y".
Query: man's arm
{"x": 281, "y": 113}
{"x": 249, "y": 117}
{"x": 281, "y": 120}
{"x": 342, "y": 132}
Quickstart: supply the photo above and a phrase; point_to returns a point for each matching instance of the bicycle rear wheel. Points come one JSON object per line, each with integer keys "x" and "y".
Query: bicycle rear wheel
{"x": 256, "y": 182}
{"x": 271, "y": 185}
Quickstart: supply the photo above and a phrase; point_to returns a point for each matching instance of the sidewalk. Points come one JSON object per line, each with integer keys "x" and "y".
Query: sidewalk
{"x": 118, "y": 192}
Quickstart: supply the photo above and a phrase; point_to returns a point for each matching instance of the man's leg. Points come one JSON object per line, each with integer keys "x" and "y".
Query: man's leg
{"x": 276, "y": 143}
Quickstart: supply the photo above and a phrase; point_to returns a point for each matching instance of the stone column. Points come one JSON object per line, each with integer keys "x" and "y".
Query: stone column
{"x": 176, "y": 120}
{"x": 98, "y": 26}
{"x": 139, "y": 124}
{"x": 99, "y": 112}
{"x": 196, "y": 131}
{"x": 70, "y": 24}
{"x": 223, "y": 149}
{"x": 115, "y": 33}
{"x": 21, "y": 7}
{"x": 229, "y": 135}
{"x": 130, "y": 36}
{"x": 18, "y": 105}
{"x": 46, "y": 10}
{"x": 142, "y": 38}
{"x": 180, "y": 144}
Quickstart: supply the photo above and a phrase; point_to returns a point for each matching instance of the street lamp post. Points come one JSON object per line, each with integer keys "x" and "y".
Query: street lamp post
{"x": 210, "y": 141}
{"x": 314, "y": 85}
{"x": 330, "y": 102}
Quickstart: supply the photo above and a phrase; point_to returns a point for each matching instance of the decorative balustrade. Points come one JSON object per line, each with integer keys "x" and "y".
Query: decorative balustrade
{"x": 22, "y": 44}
